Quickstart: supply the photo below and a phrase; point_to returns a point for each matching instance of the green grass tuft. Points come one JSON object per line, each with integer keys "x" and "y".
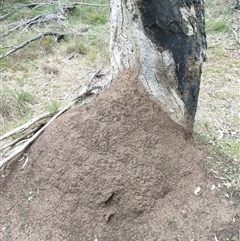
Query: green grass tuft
{"x": 217, "y": 26}
{"x": 89, "y": 16}
{"x": 76, "y": 47}
{"x": 14, "y": 103}
{"x": 53, "y": 106}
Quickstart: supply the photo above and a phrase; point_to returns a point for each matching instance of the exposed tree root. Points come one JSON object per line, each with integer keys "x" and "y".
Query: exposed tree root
{"x": 25, "y": 126}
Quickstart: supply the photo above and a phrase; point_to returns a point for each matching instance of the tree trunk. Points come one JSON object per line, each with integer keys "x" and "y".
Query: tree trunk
{"x": 165, "y": 39}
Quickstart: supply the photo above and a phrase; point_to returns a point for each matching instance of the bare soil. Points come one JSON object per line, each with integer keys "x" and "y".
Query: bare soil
{"x": 116, "y": 168}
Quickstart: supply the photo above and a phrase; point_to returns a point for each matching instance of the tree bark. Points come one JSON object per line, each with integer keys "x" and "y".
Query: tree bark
{"x": 166, "y": 40}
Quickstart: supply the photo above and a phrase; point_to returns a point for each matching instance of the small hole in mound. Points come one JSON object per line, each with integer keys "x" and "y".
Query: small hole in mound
{"x": 109, "y": 200}
{"x": 110, "y": 217}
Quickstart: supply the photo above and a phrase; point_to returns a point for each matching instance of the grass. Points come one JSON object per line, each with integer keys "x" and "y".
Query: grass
{"x": 89, "y": 16}
{"x": 217, "y": 120}
{"x": 231, "y": 147}
{"x": 53, "y": 106}
{"x": 217, "y": 26}
{"x": 74, "y": 45}
{"x": 226, "y": 170}
{"x": 14, "y": 105}
{"x": 224, "y": 166}
{"x": 50, "y": 69}
{"x": 172, "y": 222}
{"x": 218, "y": 16}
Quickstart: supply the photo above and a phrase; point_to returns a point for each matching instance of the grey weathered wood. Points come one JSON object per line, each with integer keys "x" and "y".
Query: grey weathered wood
{"x": 58, "y": 37}
{"x": 166, "y": 40}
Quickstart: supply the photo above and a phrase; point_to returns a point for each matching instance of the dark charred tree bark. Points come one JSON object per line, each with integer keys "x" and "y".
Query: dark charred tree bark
{"x": 166, "y": 40}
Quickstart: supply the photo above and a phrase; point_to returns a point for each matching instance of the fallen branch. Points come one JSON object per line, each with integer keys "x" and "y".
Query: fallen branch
{"x": 22, "y": 138}
{"x": 235, "y": 35}
{"x": 35, "y": 5}
{"x": 7, "y": 15}
{"x": 16, "y": 48}
{"x": 89, "y": 4}
{"x": 59, "y": 15}
{"x": 25, "y": 126}
{"x": 85, "y": 92}
{"x": 36, "y": 20}
{"x": 25, "y": 162}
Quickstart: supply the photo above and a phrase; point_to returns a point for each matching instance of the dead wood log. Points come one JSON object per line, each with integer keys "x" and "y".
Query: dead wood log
{"x": 58, "y": 36}
{"x": 36, "y": 20}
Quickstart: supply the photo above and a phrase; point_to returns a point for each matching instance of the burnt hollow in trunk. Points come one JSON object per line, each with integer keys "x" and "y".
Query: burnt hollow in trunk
{"x": 164, "y": 25}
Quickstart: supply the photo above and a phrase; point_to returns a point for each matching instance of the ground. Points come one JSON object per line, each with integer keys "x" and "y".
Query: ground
{"x": 116, "y": 168}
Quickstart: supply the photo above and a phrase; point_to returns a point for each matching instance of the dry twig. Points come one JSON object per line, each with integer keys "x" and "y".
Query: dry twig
{"x": 16, "y": 48}
{"x": 235, "y": 36}
{"x": 22, "y": 138}
{"x": 36, "y": 20}
{"x": 7, "y": 15}
{"x": 25, "y": 126}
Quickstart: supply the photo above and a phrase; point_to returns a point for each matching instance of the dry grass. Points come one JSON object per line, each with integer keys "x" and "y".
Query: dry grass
{"x": 218, "y": 115}
{"x": 14, "y": 104}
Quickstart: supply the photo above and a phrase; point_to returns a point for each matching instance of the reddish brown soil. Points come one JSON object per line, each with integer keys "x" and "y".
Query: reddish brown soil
{"x": 116, "y": 168}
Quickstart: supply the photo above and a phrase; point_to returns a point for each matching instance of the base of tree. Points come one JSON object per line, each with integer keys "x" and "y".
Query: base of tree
{"x": 116, "y": 168}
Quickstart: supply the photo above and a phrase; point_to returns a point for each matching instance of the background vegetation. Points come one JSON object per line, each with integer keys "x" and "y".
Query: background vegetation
{"x": 217, "y": 120}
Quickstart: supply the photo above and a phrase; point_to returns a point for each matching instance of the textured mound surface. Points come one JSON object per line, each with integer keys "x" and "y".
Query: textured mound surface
{"x": 116, "y": 168}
